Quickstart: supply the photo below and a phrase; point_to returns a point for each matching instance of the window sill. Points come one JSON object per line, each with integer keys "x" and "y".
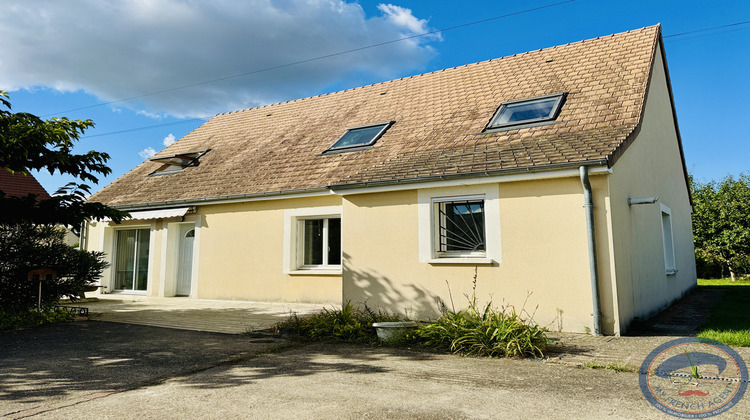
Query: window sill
{"x": 671, "y": 272}
{"x": 458, "y": 260}
{"x": 315, "y": 272}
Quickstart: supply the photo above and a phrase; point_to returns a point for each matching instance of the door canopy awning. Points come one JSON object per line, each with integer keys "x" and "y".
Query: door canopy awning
{"x": 159, "y": 214}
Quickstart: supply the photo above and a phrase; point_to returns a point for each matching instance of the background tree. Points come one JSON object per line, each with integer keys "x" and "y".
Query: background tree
{"x": 721, "y": 222}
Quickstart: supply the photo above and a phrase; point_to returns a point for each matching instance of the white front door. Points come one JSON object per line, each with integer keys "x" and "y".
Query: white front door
{"x": 185, "y": 263}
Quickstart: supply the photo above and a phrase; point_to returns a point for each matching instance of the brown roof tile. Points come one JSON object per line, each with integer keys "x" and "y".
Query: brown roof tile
{"x": 20, "y": 185}
{"x": 439, "y": 118}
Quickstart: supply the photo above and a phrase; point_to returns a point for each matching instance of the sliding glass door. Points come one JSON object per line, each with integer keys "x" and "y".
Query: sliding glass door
{"x": 131, "y": 259}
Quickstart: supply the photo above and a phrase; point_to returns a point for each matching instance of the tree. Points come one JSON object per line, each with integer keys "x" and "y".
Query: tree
{"x": 29, "y": 143}
{"x": 721, "y": 222}
{"x": 30, "y": 232}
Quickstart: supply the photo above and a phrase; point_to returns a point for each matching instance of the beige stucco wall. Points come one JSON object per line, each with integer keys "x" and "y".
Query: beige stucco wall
{"x": 544, "y": 255}
{"x": 651, "y": 166}
{"x": 238, "y": 253}
{"x": 241, "y": 254}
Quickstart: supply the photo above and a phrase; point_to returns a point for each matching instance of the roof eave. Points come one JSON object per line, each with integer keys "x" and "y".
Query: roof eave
{"x": 469, "y": 175}
{"x": 235, "y": 198}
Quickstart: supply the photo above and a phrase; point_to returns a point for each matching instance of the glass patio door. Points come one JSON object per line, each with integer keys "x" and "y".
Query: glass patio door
{"x": 131, "y": 260}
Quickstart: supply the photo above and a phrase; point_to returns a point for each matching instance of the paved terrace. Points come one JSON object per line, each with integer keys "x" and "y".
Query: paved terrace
{"x": 231, "y": 317}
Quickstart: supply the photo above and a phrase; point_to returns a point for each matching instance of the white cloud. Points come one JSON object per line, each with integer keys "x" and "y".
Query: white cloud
{"x": 169, "y": 140}
{"x": 151, "y": 115}
{"x": 117, "y": 49}
{"x": 147, "y": 153}
{"x": 403, "y": 17}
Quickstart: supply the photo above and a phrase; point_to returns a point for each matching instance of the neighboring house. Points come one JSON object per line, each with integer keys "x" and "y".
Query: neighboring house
{"x": 394, "y": 194}
{"x": 17, "y": 184}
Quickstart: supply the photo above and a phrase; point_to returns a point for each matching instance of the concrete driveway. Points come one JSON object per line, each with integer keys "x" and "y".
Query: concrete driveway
{"x": 231, "y": 317}
{"x": 67, "y": 364}
{"x": 120, "y": 371}
{"x": 123, "y": 370}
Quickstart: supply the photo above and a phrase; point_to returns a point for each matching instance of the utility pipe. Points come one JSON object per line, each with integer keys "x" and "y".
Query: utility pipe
{"x": 589, "y": 206}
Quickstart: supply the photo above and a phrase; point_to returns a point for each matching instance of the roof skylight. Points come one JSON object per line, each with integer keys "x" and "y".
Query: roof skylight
{"x": 177, "y": 162}
{"x": 527, "y": 111}
{"x": 359, "y": 137}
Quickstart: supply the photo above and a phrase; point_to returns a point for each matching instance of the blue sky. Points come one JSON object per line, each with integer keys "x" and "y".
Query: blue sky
{"x": 81, "y": 59}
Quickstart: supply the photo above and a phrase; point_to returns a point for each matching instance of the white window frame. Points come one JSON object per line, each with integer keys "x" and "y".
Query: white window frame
{"x": 301, "y": 244}
{"x": 429, "y": 237}
{"x": 293, "y": 240}
{"x": 665, "y": 219}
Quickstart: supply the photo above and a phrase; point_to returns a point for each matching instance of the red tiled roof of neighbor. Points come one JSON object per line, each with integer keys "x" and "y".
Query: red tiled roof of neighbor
{"x": 20, "y": 185}
{"x": 439, "y": 120}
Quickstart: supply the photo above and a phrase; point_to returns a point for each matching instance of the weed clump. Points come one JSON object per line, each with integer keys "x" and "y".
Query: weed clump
{"x": 350, "y": 324}
{"x": 487, "y": 333}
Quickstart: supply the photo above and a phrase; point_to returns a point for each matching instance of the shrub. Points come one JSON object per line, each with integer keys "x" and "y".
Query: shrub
{"x": 25, "y": 247}
{"x": 10, "y": 320}
{"x": 350, "y": 324}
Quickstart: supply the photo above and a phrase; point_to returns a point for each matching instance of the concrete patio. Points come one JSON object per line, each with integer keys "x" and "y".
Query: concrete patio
{"x": 231, "y": 317}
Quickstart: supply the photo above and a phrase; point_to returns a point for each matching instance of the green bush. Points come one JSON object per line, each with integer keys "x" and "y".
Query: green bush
{"x": 350, "y": 324}
{"x": 10, "y": 320}
{"x": 24, "y": 247}
{"x": 488, "y": 333}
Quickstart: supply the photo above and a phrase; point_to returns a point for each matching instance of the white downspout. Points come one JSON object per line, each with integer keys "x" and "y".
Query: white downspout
{"x": 589, "y": 206}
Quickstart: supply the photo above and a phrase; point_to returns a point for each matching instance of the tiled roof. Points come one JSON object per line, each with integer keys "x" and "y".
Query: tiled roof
{"x": 20, "y": 185}
{"x": 439, "y": 118}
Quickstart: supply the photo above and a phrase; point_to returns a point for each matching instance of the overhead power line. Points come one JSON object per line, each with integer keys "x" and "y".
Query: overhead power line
{"x": 145, "y": 127}
{"x": 318, "y": 58}
{"x": 707, "y": 29}
{"x": 747, "y": 22}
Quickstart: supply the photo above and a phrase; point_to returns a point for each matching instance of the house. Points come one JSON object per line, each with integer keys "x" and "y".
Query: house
{"x": 16, "y": 184}
{"x": 558, "y": 175}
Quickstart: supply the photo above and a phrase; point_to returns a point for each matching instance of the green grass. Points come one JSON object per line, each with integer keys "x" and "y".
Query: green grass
{"x": 729, "y": 320}
{"x": 617, "y": 367}
{"x": 744, "y": 281}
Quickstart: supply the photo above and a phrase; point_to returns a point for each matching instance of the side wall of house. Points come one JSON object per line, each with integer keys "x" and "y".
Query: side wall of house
{"x": 238, "y": 253}
{"x": 651, "y": 167}
{"x": 542, "y": 267}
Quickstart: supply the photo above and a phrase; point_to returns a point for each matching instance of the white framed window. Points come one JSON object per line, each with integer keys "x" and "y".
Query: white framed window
{"x": 668, "y": 240}
{"x": 319, "y": 243}
{"x": 312, "y": 240}
{"x": 131, "y": 259}
{"x": 459, "y": 225}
